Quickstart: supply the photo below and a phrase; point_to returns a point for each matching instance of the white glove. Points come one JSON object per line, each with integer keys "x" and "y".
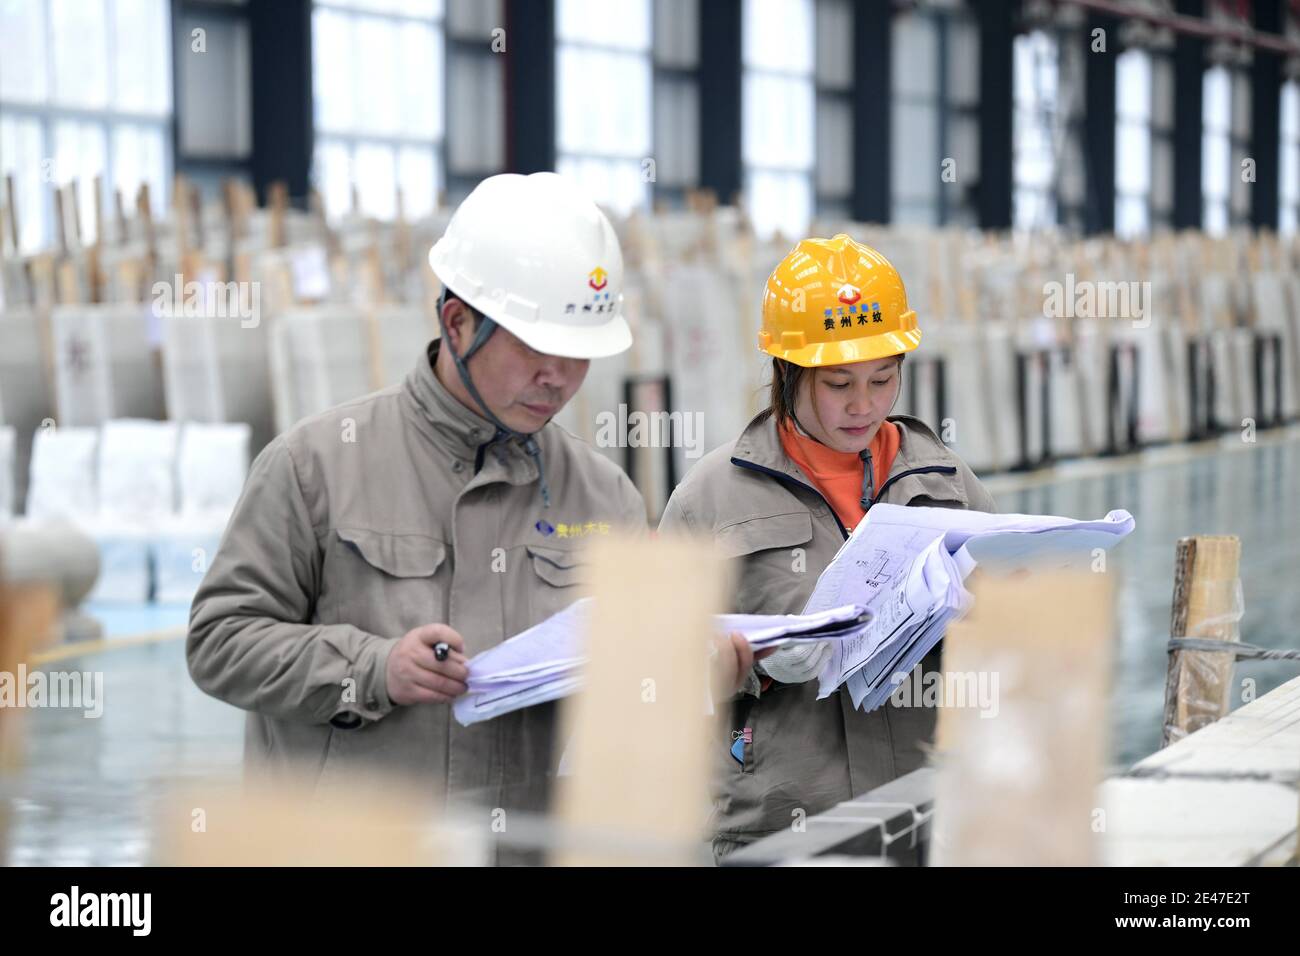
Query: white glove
{"x": 796, "y": 663}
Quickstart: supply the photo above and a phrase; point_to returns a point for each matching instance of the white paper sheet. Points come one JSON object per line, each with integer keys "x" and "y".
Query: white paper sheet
{"x": 907, "y": 566}
{"x": 545, "y": 662}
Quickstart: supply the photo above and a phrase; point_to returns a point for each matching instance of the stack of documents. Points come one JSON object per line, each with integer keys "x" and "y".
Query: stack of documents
{"x": 907, "y": 565}
{"x": 883, "y": 603}
{"x": 545, "y": 662}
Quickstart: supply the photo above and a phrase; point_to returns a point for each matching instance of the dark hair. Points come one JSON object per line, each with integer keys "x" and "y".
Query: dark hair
{"x": 786, "y": 378}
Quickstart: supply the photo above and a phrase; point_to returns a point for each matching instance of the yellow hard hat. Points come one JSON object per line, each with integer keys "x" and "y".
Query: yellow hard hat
{"x": 836, "y": 301}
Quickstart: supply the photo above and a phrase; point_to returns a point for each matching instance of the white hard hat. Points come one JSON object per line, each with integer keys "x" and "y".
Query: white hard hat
{"x": 536, "y": 256}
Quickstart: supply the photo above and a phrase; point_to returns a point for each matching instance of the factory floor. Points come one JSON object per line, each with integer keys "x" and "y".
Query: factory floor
{"x": 87, "y": 788}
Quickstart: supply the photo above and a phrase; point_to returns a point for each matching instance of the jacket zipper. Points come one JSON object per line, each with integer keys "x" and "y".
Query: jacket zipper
{"x": 781, "y": 476}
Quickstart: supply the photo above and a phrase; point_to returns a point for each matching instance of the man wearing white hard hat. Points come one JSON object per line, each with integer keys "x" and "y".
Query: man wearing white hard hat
{"x": 456, "y": 517}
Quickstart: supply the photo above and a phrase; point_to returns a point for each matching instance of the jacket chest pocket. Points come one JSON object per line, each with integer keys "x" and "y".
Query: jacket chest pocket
{"x": 777, "y": 571}
{"x": 551, "y": 578}
{"x": 385, "y": 583}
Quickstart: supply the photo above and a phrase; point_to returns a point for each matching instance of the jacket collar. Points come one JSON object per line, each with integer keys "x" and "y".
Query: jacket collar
{"x": 460, "y": 430}
{"x": 918, "y": 447}
{"x": 924, "y": 468}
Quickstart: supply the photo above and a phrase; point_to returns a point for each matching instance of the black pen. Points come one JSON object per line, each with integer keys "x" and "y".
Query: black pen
{"x": 441, "y": 650}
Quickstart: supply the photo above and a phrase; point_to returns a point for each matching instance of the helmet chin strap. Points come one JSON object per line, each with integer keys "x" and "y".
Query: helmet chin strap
{"x": 503, "y": 431}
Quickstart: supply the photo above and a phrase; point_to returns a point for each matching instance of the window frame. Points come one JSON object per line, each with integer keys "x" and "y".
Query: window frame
{"x": 1287, "y": 143}
{"x": 1056, "y": 125}
{"x": 353, "y": 140}
{"x": 1146, "y": 124}
{"x": 48, "y": 114}
{"x": 611, "y": 158}
{"x": 809, "y": 79}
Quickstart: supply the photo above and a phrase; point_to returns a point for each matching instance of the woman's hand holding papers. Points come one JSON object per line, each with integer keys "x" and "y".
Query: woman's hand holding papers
{"x": 798, "y": 663}
{"x": 416, "y": 676}
{"x": 733, "y": 662}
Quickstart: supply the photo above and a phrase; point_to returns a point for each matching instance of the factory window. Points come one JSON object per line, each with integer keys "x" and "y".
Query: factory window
{"x": 1288, "y": 214}
{"x": 604, "y": 126}
{"x": 935, "y": 140}
{"x": 777, "y": 118}
{"x": 1133, "y": 143}
{"x": 917, "y": 153}
{"x": 476, "y": 95}
{"x": 85, "y": 91}
{"x": 1242, "y": 178}
{"x": 1216, "y": 148}
{"x": 1162, "y": 141}
{"x": 1036, "y": 123}
{"x": 377, "y": 83}
{"x": 834, "y": 120}
{"x": 676, "y": 99}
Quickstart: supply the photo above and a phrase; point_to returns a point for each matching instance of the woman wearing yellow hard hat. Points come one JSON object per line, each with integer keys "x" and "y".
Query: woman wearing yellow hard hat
{"x": 781, "y": 500}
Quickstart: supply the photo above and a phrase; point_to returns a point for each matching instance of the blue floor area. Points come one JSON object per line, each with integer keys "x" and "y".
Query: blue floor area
{"x": 1249, "y": 492}
{"x": 89, "y": 788}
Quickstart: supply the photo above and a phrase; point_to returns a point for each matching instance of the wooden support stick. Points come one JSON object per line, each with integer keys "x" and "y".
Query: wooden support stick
{"x": 99, "y": 210}
{"x": 181, "y": 217}
{"x": 144, "y": 211}
{"x": 196, "y": 210}
{"x": 119, "y": 215}
{"x": 279, "y": 203}
{"x": 41, "y": 269}
{"x": 68, "y": 285}
{"x": 94, "y": 275}
{"x": 74, "y": 201}
{"x": 316, "y": 203}
{"x": 1198, "y": 685}
{"x": 248, "y": 206}
{"x": 60, "y": 223}
{"x": 228, "y": 201}
{"x": 13, "y": 213}
{"x": 372, "y": 272}
{"x": 401, "y": 235}
{"x": 637, "y": 732}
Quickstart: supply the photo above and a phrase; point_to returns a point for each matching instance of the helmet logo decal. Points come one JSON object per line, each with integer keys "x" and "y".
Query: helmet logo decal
{"x": 848, "y": 294}
{"x": 872, "y": 309}
{"x": 597, "y": 278}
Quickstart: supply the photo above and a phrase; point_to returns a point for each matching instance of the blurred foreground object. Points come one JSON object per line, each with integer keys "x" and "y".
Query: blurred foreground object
{"x": 1017, "y": 775}
{"x": 52, "y": 555}
{"x": 292, "y": 823}
{"x": 638, "y": 745}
